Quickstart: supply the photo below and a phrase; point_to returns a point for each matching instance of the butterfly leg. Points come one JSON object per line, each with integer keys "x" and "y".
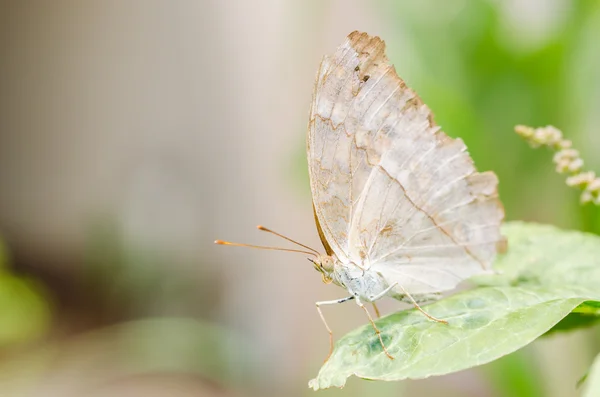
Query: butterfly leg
{"x": 376, "y": 309}
{"x": 429, "y": 316}
{"x": 377, "y": 331}
{"x": 378, "y": 296}
{"x": 382, "y": 293}
{"x": 333, "y": 302}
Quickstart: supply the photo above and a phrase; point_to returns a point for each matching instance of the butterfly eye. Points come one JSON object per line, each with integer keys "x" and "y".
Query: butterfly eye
{"x": 327, "y": 264}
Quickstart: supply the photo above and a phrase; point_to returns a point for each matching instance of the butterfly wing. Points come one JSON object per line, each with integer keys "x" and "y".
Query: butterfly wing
{"x": 392, "y": 192}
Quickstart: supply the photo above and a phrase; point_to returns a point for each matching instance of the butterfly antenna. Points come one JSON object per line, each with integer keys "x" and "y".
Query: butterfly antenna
{"x": 264, "y": 229}
{"x": 221, "y": 242}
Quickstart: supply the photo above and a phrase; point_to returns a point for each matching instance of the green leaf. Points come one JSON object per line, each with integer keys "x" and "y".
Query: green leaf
{"x": 546, "y": 255}
{"x": 591, "y": 385}
{"x": 483, "y": 324}
{"x": 546, "y": 274}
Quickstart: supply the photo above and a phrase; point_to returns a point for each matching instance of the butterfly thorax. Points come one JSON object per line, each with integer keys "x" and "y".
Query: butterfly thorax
{"x": 361, "y": 283}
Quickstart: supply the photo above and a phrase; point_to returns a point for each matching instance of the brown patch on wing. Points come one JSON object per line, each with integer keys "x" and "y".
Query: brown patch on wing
{"x": 386, "y": 229}
{"x": 328, "y": 249}
{"x": 502, "y": 245}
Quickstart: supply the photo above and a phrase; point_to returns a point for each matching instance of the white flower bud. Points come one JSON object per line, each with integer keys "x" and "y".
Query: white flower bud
{"x": 586, "y": 197}
{"x": 576, "y": 165}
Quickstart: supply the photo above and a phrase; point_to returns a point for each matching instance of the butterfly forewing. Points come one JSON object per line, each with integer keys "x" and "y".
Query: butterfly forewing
{"x": 390, "y": 190}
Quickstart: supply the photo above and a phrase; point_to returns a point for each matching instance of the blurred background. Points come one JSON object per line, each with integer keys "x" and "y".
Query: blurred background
{"x": 134, "y": 133}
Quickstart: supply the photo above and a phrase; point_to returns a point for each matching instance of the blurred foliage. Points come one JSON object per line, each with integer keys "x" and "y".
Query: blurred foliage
{"x": 124, "y": 276}
{"x": 591, "y": 381}
{"x": 512, "y": 375}
{"x": 150, "y": 346}
{"x": 24, "y": 308}
{"x": 131, "y": 279}
{"x": 481, "y": 77}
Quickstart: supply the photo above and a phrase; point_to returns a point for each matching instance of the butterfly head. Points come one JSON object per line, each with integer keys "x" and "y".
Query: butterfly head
{"x": 324, "y": 265}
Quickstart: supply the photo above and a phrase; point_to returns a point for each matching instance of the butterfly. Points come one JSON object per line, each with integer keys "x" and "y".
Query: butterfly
{"x": 399, "y": 206}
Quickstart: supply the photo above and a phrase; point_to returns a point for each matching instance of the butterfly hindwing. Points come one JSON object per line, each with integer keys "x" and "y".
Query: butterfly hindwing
{"x": 390, "y": 190}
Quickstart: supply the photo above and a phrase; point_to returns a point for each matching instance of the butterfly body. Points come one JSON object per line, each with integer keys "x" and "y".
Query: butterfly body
{"x": 360, "y": 283}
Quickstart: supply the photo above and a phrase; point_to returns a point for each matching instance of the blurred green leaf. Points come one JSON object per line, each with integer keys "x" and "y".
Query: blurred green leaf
{"x": 516, "y": 375}
{"x": 24, "y": 314}
{"x": 24, "y": 311}
{"x": 591, "y": 385}
{"x": 546, "y": 274}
